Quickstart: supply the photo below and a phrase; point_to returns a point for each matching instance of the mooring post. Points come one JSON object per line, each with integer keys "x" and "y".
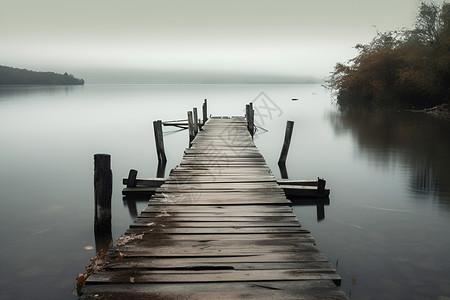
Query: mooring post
{"x": 321, "y": 185}
{"x": 132, "y": 175}
{"x": 283, "y": 171}
{"x": 159, "y": 140}
{"x": 161, "y": 170}
{"x": 250, "y": 115}
{"x": 205, "y": 111}
{"x": 320, "y": 208}
{"x": 102, "y": 191}
{"x": 252, "y": 120}
{"x": 287, "y": 142}
{"x": 195, "y": 120}
{"x": 191, "y": 128}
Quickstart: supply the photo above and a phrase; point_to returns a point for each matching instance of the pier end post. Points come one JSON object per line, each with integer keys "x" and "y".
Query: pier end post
{"x": 102, "y": 192}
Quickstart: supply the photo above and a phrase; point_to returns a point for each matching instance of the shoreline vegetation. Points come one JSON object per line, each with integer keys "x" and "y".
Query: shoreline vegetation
{"x": 406, "y": 69}
{"x": 15, "y": 76}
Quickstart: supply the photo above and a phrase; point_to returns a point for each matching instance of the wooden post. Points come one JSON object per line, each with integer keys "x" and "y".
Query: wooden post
{"x": 205, "y": 112}
{"x": 131, "y": 183}
{"x": 161, "y": 170}
{"x": 191, "y": 128}
{"x": 195, "y": 120}
{"x": 287, "y": 142}
{"x": 283, "y": 171}
{"x": 102, "y": 191}
{"x": 252, "y": 120}
{"x": 157, "y": 128}
{"x": 321, "y": 185}
{"x": 320, "y": 208}
{"x": 250, "y": 115}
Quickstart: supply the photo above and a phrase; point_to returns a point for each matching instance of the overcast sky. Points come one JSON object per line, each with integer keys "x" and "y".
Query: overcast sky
{"x": 287, "y": 38}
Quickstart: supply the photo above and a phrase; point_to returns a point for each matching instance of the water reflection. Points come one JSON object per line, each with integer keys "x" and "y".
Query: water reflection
{"x": 130, "y": 203}
{"x": 418, "y": 142}
{"x": 13, "y": 91}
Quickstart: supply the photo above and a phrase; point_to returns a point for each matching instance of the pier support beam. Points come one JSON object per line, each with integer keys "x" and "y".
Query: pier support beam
{"x": 287, "y": 142}
{"x": 159, "y": 140}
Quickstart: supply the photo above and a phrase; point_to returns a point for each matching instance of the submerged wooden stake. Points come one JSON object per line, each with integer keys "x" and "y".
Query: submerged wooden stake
{"x": 159, "y": 140}
{"x": 102, "y": 191}
{"x": 287, "y": 142}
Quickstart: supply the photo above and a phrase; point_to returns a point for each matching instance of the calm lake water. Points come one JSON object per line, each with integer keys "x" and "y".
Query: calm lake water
{"x": 386, "y": 228}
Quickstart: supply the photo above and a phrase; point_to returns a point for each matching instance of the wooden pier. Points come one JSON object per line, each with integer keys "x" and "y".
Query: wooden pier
{"x": 219, "y": 227}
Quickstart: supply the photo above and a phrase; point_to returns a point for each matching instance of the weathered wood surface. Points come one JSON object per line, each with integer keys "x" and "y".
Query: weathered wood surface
{"x": 219, "y": 227}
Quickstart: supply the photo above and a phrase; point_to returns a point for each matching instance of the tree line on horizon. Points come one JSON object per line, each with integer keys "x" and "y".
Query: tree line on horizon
{"x": 12, "y": 76}
{"x": 407, "y": 68}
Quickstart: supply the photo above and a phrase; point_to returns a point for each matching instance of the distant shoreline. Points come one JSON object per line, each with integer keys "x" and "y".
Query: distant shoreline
{"x": 20, "y": 77}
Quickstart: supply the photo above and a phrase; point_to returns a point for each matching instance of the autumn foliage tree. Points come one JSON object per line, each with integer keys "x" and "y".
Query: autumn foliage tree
{"x": 400, "y": 69}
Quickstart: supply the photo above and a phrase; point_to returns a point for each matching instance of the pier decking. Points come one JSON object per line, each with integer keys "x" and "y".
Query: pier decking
{"x": 220, "y": 227}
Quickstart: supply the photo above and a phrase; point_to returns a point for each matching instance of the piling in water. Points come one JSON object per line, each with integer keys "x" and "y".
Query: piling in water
{"x": 205, "y": 111}
{"x": 250, "y": 115}
{"x": 191, "y": 128}
{"x": 159, "y": 141}
{"x": 102, "y": 191}
{"x": 287, "y": 142}
{"x": 195, "y": 115}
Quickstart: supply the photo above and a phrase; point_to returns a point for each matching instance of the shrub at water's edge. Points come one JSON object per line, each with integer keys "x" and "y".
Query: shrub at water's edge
{"x": 399, "y": 69}
{"x": 13, "y": 76}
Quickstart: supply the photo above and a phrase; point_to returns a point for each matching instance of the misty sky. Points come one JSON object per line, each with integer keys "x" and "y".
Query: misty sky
{"x": 288, "y": 38}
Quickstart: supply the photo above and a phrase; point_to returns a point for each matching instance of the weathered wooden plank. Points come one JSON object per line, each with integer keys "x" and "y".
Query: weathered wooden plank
{"x": 187, "y": 264}
{"x": 148, "y": 182}
{"x": 202, "y": 246}
{"x": 261, "y": 290}
{"x": 272, "y": 258}
{"x": 139, "y": 190}
{"x": 159, "y": 213}
{"x": 145, "y": 217}
{"x": 216, "y": 224}
{"x": 238, "y": 236}
{"x": 265, "y": 209}
{"x": 178, "y": 251}
{"x": 231, "y": 230}
{"x": 141, "y": 276}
